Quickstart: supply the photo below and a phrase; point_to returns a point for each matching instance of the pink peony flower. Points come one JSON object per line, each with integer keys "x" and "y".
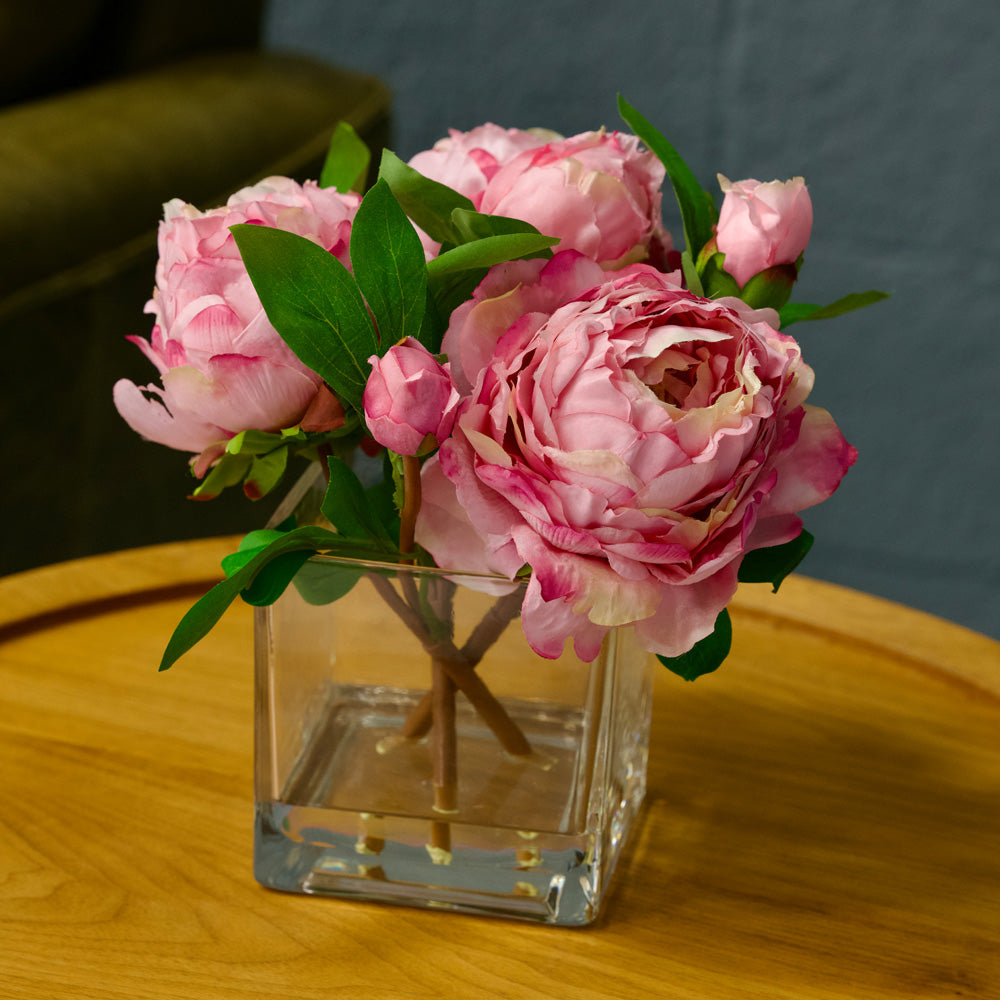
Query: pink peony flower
{"x": 596, "y": 191}
{"x": 465, "y": 161}
{"x": 520, "y": 290}
{"x": 409, "y": 400}
{"x": 629, "y": 445}
{"x": 762, "y": 225}
{"x": 223, "y": 367}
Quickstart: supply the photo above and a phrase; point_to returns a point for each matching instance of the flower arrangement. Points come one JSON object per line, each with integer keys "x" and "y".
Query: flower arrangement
{"x": 556, "y": 391}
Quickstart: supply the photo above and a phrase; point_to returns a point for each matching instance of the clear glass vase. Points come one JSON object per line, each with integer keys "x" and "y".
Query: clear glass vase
{"x": 411, "y": 748}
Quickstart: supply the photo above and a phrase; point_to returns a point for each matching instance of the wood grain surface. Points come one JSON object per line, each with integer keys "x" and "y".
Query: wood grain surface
{"x": 823, "y": 818}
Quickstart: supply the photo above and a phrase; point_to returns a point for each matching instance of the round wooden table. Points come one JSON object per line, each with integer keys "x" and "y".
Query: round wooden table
{"x": 823, "y": 817}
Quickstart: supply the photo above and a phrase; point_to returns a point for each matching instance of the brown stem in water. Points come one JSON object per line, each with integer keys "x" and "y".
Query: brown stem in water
{"x": 459, "y": 670}
{"x": 484, "y": 635}
{"x": 444, "y": 755}
{"x": 444, "y": 741}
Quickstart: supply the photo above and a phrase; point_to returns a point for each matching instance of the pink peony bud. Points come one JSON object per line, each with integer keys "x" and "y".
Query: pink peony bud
{"x": 409, "y": 401}
{"x": 762, "y": 225}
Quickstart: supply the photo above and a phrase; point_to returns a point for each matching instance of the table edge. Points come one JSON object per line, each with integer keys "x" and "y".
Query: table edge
{"x": 93, "y": 585}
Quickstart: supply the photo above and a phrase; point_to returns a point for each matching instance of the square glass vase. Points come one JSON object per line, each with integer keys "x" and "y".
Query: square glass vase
{"x": 411, "y": 748}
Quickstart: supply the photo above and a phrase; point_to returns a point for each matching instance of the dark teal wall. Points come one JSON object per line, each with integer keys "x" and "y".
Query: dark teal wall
{"x": 890, "y": 112}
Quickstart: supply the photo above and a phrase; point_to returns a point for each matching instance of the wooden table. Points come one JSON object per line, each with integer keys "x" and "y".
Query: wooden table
{"x": 823, "y": 818}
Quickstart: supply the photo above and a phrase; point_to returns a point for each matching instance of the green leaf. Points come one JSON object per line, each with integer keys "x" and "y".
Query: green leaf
{"x": 265, "y": 473}
{"x": 697, "y": 208}
{"x": 447, "y": 293}
{"x": 253, "y": 442}
{"x": 716, "y": 281}
{"x": 428, "y": 203}
{"x": 228, "y": 471}
{"x": 251, "y": 544}
{"x": 270, "y": 582}
{"x": 691, "y": 277}
{"x": 388, "y": 261}
{"x": 260, "y": 538}
{"x": 204, "y": 613}
{"x": 770, "y": 288}
{"x": 347, "y": 507}
{"x": 486, "y": 252}
{"x": 472, "y": 226}
{"x": 381, "y": 500}
{"x": 314, "y": 303}
{"x": 705, "y": 655}
{"x": 321, "y": 582}
{"x": 436, "y": 313}
{"x": 347, "y": 159}
{"x": 772, "y": 565}
{"x": 795, "y": 312}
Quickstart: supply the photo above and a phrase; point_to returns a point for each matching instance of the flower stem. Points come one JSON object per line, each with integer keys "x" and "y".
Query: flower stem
{"x": 444, "y": 756}
{"x": 445, "y": 741}
{"x": 485, "y": 634}
{"x": 411, "y": 502}
{"x": 459, "y": 669}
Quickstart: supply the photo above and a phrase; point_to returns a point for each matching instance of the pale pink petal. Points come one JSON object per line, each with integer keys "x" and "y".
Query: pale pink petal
{"x": 686, "y": 614}
{"x": 548, "y": 625}
{"x": 809, "y": 472}
{"x": 144, "y": 411}
{"x": 240, "y": 393}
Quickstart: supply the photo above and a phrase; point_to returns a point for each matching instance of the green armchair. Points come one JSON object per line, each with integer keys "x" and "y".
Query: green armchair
{"x": 116, "y": 109}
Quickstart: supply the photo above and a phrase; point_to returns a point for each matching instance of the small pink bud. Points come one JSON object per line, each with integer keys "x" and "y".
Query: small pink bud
{"x": 409, "y": 401}
{"x": 762, "y": 225}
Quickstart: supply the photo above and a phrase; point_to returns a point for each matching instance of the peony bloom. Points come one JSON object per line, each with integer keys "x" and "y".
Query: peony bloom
{"x": 465, "y": 161}
{"x": 762, "y": 225}
{"x": 629, "y": 445}
{"x": 223, "y": 367}
{"x": 597, "y": 192}
{"x": 517, "y": 291}
{"x": 409, "y": 400}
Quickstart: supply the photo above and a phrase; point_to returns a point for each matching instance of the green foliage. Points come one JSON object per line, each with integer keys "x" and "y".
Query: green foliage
{"x": 698, "y": 212}
{"x": 313, "y": 301}
{"x": 772, "y": 565}
{"x": 471, "y": 226}
{"x": 388, "y": 262}
{"x": 266, "y": 471}
{"x": 268, "y": 560}
{"x": 795, "y": 312}
{"x": 483, "y": 253}
{"x": 428, "y": 203}
{"x": 770, "y": 288}
{"x": 227, "y": 471}
{"x": 323, "y": 582}
{"x": 202, "y": 616}
{"x": 716, "y": 281}
{"x": 384, "y": 504}
{"x": 454, "y": 274}
{"x": 691, "y": 277}
{"x": 705, "y": 655}
{"x": 347, "y": 160}
{"x": 348, "y": 508}
{"x": 259, "y": 460}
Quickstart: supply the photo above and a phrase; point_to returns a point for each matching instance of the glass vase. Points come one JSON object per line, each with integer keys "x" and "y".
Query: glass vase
{"x": 412, "y": 748}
